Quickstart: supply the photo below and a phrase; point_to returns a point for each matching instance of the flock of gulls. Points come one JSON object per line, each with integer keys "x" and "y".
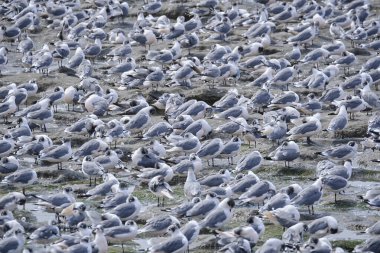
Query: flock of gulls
{"x": 285, "y": 73}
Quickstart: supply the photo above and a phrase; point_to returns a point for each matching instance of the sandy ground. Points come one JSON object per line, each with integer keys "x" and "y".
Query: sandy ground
{"x": 353, "y": 215}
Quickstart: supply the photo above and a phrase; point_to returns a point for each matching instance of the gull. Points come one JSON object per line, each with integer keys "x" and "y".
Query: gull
{"x": 336, "y": 31}
{"x": 76, "y": 59}
{"x": 9, "y": 201}
{"x": 154, "y": 78}
{"x": 180, "y": 211}
{"x": 330, "y": 95}
{"x": 57, "y": 201}
{"x": 8, "y": 107}
{"x": 356, "y": 81}
{"x": 57, "y": 154}
{"x": 244, "y": 182}
{"x": 129, "y": 64}
{"x": 160, "y": 188}
{"x": 286, "y": 216}
{"x": 219, "y": 216}
{"x": 200, "y": 128}
{"x": 23, "y": 130}
{"x": 210, "y": 150}
{"x": 317, "y": 81}
{"x": 26, "y": 44}
{"x": 39, "y": 105}
{"x": 177, "y": 242}
{"x": 238, "y": 244}
{"x": 306, "y": 36}
{"x": 7, "y": 145}
{"x": 353, "y": 104}
{"x": 191, "y": 231}
{"x": 104, "y": 188}
{"x": 140, "y": 121}
{"x": 348, "y": 59}
{"x": 286, "y": 15}
{"x": 313, "y": 105}
{"x": 316, "y": 56}
{"x": 158, "y": 130}
{"x": 21, "y": 178}
{"x": 192, "y": 187}
{"x": 97, "y": 105}
{"x": 280, "y": 200}
{"x": 291, "y": 190}
{"x": 181, "y": 122}
{"x": 374, "y": 45}
{"x": 56, "y": 96}
{"x": 239, "y": 111}
{"x": 271, "y": 245}
{"x": 152, "y": 7}
{"x": 295, "y": 233}
{"x": 287, "y": 152}
{"x": 118, "y": 196}
{"x": 246, "y": 232}
{"x": 331, "y": 71}
{"x": 21, "y": 95}
{"x": 175, "y": 30}
{"x": 85, "y": 125}
{"x": 122, "y": 233}
{"x": 197, "y": 110}
{"x": 41, "y": 117}
{"x": 339, "y": 122}
{"x": 46, "y": 234}
{"x": 264, "y": 78}
{"x": 250, "y": 162}
{"x": 309, "y": 195}
{"x": 258, "y": 192}
{"x": 91, "y": 168}
{"x": 120, "y": 52}
{"x": 371, "y": 63}
{"x": 231, "y": 149}
{"x": 286, "y": 98}
{"x": 91, "y": 51}
{"x": 13, "y": 243}
{"x": 31, "y": 87}
{"x": 235, "y": 126}
{"x": 370, "y": 97}
{"x": 193, "y": 162}
{"x": 72, "y": 96}
{"x": 160, "y": 169}
{"x": 344, "y": 170}
{"x": 203, "y": 207}
{"x": 92, "y": 147}
{"x": 335, "y": 182}
{"x": 9, "y": 164}
{"x": 159, "y": 224}
{"x": 84, "y": 246}
{"x": 374, "y": 229}
{"x": 128, "y": 210}
{"x": 223, "y": 176}
{"x": 311, "y": 127}
{"x": 323, "y": 226}
{"x": 369, "y": 245}
{"x": 110, "y": 160}
{"x": 295, "y": 54}
{"x": 275, "y": 130}
{"x": 144, "y": 157}
{"x": 337, "y": 47}
{"x": 100, "y": 242}
{"x": 216, "y": 53}
{"x": 318, "y": 244}
{"x": 341, "y": 152}
{"x": 61, "y": 52}
{"x": 43, "y": 62}
{"x": 3, "y": 56}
